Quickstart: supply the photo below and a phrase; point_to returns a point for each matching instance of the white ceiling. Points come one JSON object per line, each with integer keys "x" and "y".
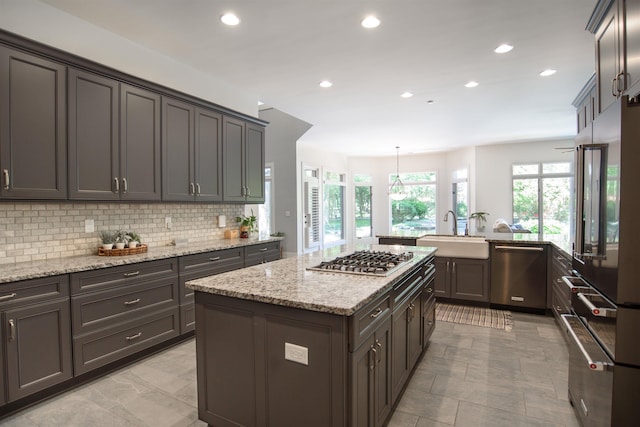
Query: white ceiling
{"x": 282, "y": 49}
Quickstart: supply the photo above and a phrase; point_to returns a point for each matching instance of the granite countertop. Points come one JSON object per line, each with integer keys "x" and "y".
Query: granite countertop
{"x": 404, "y": 234}
{"x": 34, "y": 269}
{"x": 287, "y": 282}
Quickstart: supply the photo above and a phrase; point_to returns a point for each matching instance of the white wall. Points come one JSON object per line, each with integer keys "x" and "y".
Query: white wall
{"x": 53, "y": 27}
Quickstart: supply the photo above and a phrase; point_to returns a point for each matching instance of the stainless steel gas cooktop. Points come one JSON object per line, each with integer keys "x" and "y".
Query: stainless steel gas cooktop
{"x": 372, "y": 263}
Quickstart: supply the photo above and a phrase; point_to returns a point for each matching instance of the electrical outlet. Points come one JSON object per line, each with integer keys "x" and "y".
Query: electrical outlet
{"x": 89, "y": 226}
{"x": 296, "y": 353}
{"x": 167, "y": 222}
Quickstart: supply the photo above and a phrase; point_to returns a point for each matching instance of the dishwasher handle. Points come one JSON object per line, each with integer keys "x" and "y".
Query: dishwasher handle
{"x": 521, "y": 248}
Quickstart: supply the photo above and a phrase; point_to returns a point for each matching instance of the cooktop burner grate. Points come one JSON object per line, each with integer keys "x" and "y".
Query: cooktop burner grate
{"x": 373, "y": 263}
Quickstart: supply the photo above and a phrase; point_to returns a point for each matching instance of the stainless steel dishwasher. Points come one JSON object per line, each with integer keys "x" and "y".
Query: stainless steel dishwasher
{"x": 519, "y": 275}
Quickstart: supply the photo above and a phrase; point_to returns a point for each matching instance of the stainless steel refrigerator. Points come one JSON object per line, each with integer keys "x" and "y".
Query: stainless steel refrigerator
{"x": 604, "y": 372}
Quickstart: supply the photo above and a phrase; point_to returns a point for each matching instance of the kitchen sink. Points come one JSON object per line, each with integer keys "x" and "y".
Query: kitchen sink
{"x": 457, "y": 246}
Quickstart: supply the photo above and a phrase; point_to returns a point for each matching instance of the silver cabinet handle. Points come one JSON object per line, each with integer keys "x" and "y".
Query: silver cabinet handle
{"x": 593, "y": 365}
{"x": 125, "y": 187}
{"x": 132, "y": 302}
{"x": 618, "y": 90}
{"x": 248, "y": 191}
{"x": 12, "y": 330}
{"x": 192, "y": 189}
{"x": 8, "y": 297}
{"x": 133, "y": 337}
{"x": 377, "y": 313}
{"x": 522, "y": 248}
{"x": 613, "y": 82}
{"x": 373, "y": 353}
{"x": 197, "y": 188}
{"x": 263, "y": 249}
{"x": 216, "y": 258}
{"x": 5, "y": 173}
{"x": 115, "y": 179}
{"x": 243, "y": 191}
{"x": 380, "y": 347}
{"x": 132, "y": 274}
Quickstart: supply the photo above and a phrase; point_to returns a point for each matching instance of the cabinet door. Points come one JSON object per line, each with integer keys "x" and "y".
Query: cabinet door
{"x": 407, "y": 343}
{"x": 362, "y": 385}
{"x": 233, "y": 138}
{"x": 38, "y": 347}
{"x": 382, "y": 374}
{"x": 442, "y": 286}
{"x": 255, "y": 164}
{"x": 208, "y": 156}
{"x": 178, "y": 145}
{"x": 608, "y": 58}
{"x": 33, "y": 147}
{"x": 139, "y": 144}
{"x": 470, "y": 279}
{"x": 93, "y": 137}
{"x": 632, "y": 46}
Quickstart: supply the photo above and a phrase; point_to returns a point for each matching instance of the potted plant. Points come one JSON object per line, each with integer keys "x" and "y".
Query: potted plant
{"x": 133, "y": 239}
{"x": 480, "y": 218}
{"x": 108, "y": 239}
{"x": 121, "y": 239}
{"x": 247, "y": 224}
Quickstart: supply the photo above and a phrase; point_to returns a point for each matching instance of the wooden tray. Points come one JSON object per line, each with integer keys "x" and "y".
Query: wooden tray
{"x": 140, "y": 249}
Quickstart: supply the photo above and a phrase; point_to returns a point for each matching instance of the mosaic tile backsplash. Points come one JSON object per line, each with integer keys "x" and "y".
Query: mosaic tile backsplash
{"x": 39, "y": 231}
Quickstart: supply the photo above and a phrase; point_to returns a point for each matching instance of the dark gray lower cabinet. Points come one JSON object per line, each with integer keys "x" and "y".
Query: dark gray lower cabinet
{"x": 261, "y": 253}
{"x": 36, "y": 334}
{"x": 407, "y": 339}
{"x": 120, "y": 311}
{"x": 462, "y": 279}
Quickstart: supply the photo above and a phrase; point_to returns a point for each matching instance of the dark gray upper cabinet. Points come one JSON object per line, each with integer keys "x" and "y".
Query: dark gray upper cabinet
{"x": 192, "y": 147}
{"x": 632, "y": 46}
{"x": 33, "y": 150}
{"x": 114, "y": 140}
{"x": 243, "y": 161}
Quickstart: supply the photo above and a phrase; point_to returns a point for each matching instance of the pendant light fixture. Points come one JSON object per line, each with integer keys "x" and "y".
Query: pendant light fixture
{"x": 397, "y": 190}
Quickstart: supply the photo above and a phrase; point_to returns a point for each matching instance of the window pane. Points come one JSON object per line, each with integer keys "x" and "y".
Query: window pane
{"x": 265, "y": 220}
{"x": 334, "y": 176}
{"x": 363, "y": 211}
{"x": 418, "y": 177}
{"x": 460, "y": 204}
{"x": 526, "y": 169}
{"x": 333, "y": 213}
{"x": 417, "y": 211}
{"x": 360, "y": 178}
{"x": 564, "y": 167}
{"x": 525, "y": 203}
{"x": 556, "y": 203}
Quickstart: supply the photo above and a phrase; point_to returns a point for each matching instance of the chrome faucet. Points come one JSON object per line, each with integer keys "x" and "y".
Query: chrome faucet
{"x": 455, "y": 221}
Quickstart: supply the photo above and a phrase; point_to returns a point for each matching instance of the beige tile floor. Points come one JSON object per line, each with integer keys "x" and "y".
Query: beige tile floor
{"x": 469, "y": 377}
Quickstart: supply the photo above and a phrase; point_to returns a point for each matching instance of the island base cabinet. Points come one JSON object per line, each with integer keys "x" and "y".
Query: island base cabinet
{"x": 266, "y": 365}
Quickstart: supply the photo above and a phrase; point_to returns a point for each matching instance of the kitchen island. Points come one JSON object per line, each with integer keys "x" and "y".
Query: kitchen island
{"x": 279, "y": 344}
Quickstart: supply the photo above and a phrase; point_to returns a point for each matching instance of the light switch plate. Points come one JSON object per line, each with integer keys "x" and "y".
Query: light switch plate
{"x": 296, "y": 353}
{"x": 89, "y": 226}
{"x": 167, "y": 222}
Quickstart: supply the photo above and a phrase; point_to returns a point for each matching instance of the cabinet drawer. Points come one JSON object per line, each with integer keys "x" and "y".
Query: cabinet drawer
{"x": 367, "y": 319}
{"x": 108, "y": 345}
{"x": 264, "y": 252}
{"x": 98, "y": 280}
{"x": 101, "y": 309}
{"x": 561, "y": 262}
{"x": 33, "y": 291}
{"x": 212, "y": 262}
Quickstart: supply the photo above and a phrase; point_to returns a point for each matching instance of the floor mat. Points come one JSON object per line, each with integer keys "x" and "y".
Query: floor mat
{"x": 477, "y": 316}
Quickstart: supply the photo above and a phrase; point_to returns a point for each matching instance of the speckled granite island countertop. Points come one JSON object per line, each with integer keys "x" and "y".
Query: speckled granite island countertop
{"x": 287, "y": 282}
{"x": 53, "y": 267}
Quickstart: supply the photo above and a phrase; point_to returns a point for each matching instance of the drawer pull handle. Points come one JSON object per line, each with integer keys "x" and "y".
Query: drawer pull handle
{"x": 8, "y": 297}
{"x": 215, "y": 258}
{"x": 377, "y": 313}
{"x": 133, "y": 337}
{"x": 132, "y": 302}
{"x": 12, "y": 330}
{"x": 6, "y": 178}
{"x": 132, "y": 274}
{"x": 264, "y": 249}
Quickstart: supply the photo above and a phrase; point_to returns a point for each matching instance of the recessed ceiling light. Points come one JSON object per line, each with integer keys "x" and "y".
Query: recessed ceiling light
{"x": 472, "y": 84}
{"x": 260, "y": 103}
{"x": 407, "y": 95}
{"x": 370, "y": 22}
{"x": 326, "y": 83}
{"x": 503, "y": 48}
{"x": 548, "y": 72}
{"x": 230, "y": 19}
